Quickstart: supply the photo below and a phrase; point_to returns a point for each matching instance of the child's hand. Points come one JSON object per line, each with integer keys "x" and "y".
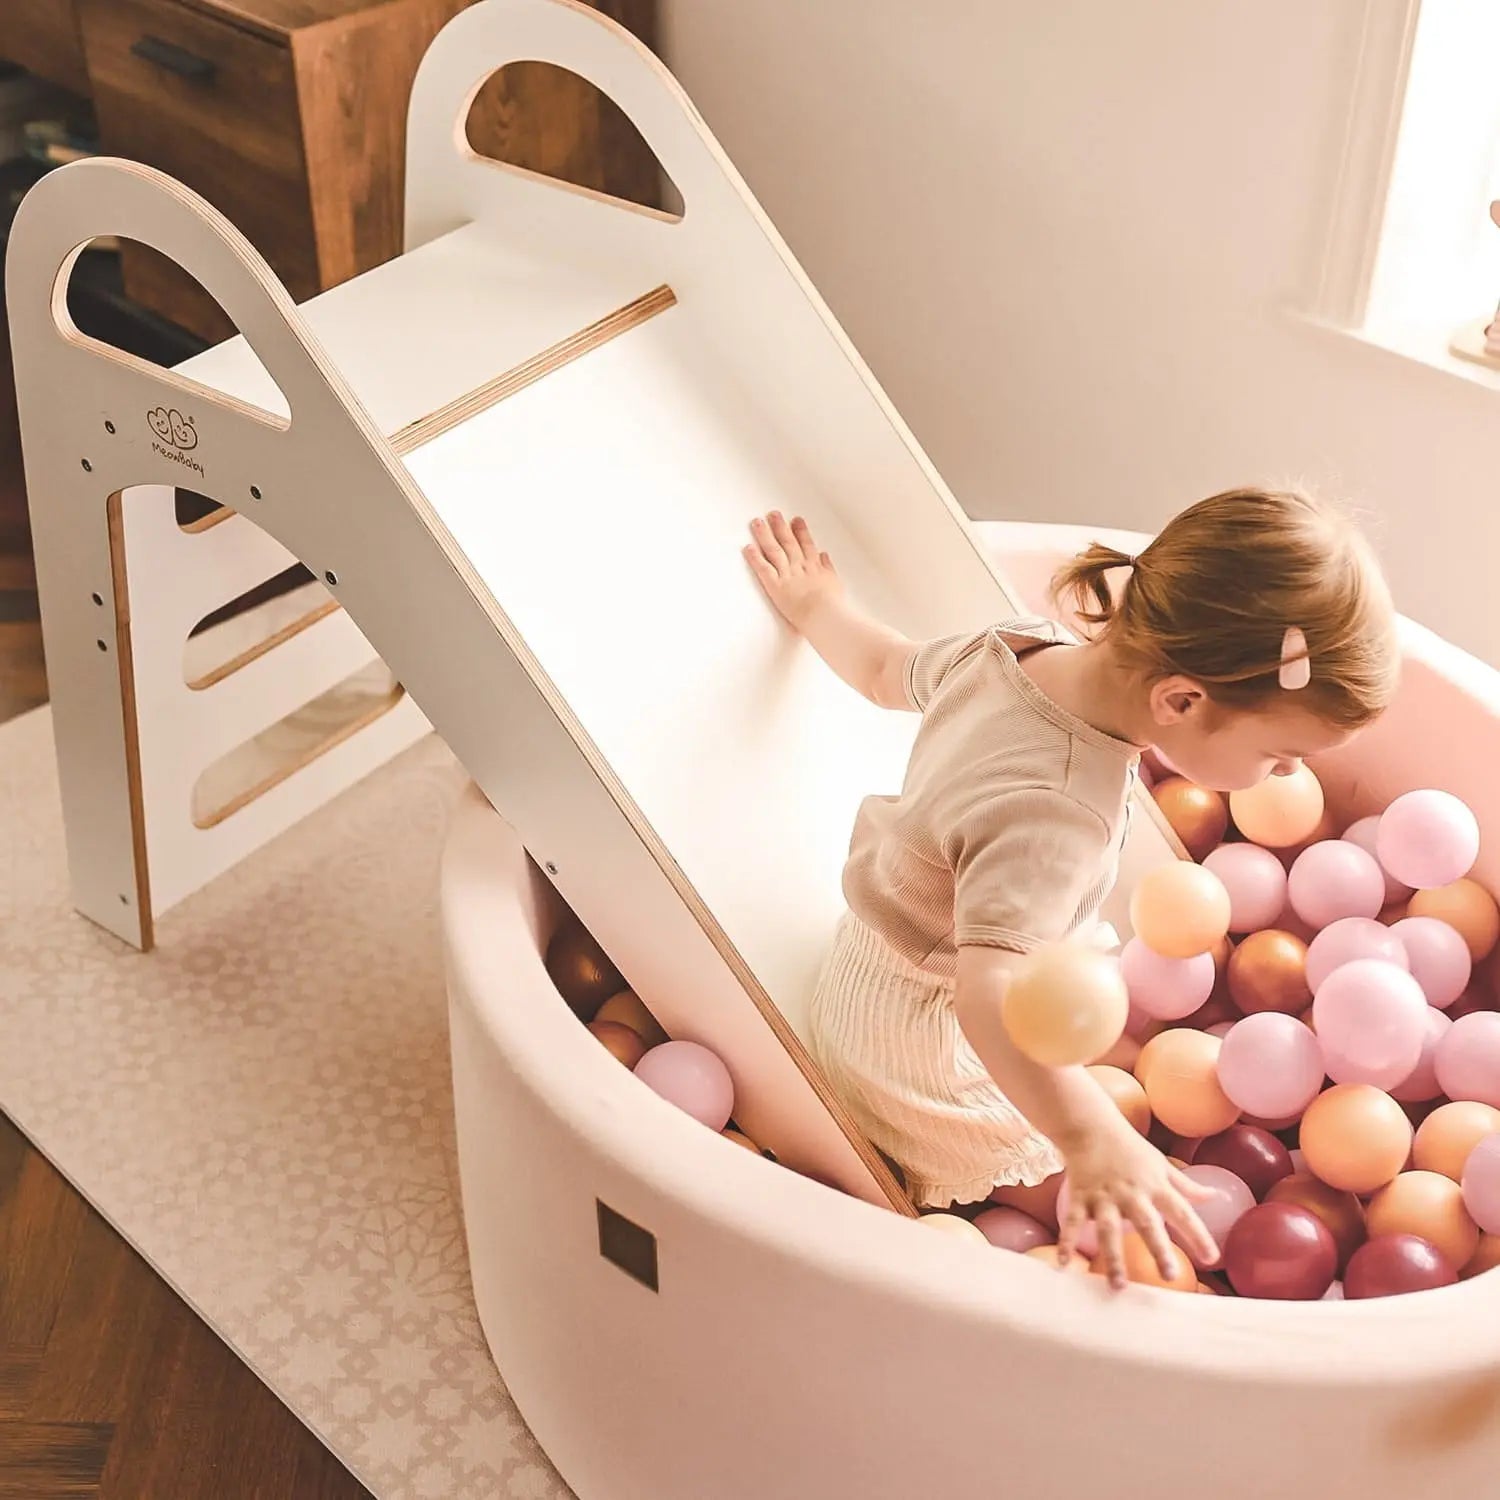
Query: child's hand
{"x": 795, "y": 575}
{"x": 1115, "y": 1175}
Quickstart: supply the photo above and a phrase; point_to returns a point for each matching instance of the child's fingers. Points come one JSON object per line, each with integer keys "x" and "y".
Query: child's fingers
{"x": 802, "y": 533}
{"x": 772, "y": 550}
{"x": 759, "y": 565}
{"x": 1111, "y": 1231}
{"x": 1144, "y": 1215}
{"x": 1183, "y": 1217}
{"x": 782, "y": 532}
{"x": 1189, "y": 1187}
{"x": 1069, "y": 1230}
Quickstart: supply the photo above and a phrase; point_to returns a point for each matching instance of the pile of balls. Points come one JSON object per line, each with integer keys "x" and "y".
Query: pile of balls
{"x": 685, "y": 1073}
{"x": 1304, "y": 1020}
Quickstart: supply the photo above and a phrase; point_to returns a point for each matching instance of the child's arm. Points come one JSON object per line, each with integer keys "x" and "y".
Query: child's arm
{"x": 1114, "y": 1173}
{"x": 803, "y": 585}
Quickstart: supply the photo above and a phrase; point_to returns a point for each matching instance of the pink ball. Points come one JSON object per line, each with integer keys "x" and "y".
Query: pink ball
{"x": 1166, "y": 989}
{"x": 1271, "y": 1065}
{"x": 1231, "y": 1198}
{"x": 1421, "y": 1083}
{"x": 1481, "y": 1183}
{"x": 1468, "y": 1058}
{"x": 1348, "y": 939}
{"x": 1363, "y": 833}
{"x": 1371, "y": 1018}
{"x": 1427, "y": 838}
{"x": 1439, "y": 958}
{"x": 692, "y": 1078}
{"x": 1221, "y": 1029}
{"x": 1332, "y": 880}
{"x": 1009, "y": 1229}
{"x": 1256, "y": 882}
{"x": 1335, "y": 1293}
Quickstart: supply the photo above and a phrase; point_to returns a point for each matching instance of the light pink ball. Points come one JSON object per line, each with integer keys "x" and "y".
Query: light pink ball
{"x": 1332, "y": 880}
{"x": 1009, "y": 1229}
{"x": 1371, "y": 1019}
{"x": 1335, "y": 1293}
{"x": 1481, "y": 1184}
{"x": 1421, "y": 1083}
{"x": 1166, "y": 989}
{"x": 1364, "y": 833}
{"x": 1256, "y": 882}
{"x": 1348, "y": 939}
{"x": 1439, "y": 958}
{"x": 1231, "y": 1199}
{"x": 1427, "y": 838}
{"x": 1468, "y": 1058}
{"x": 1271, "y": 1065}
{"x": 692, "y": 1078}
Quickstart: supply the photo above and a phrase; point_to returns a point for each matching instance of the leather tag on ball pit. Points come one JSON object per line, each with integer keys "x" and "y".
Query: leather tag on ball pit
{"x": 628, "y": 1246}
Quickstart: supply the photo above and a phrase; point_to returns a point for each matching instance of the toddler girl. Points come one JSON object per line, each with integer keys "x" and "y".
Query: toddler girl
{"x": 1253, "y": 632}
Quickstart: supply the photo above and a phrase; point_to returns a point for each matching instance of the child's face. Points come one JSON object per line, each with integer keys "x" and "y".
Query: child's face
{"x": 1231, "y": 749}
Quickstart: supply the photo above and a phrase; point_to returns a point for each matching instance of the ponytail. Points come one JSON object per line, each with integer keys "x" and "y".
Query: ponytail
{"x": 1086, "y": 578}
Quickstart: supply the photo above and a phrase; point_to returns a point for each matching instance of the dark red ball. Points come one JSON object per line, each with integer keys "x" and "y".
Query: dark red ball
{"x": 1283, "y": 1251}
{"x": 1254, "y": 1155}
{"x": 1391, "y": 1264}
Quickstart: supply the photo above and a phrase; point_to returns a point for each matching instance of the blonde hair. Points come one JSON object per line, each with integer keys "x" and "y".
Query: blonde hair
{"x": 1214, "y": 594}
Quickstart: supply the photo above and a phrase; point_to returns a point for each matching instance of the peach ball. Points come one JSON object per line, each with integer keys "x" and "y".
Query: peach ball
{"x": 955, "y": 1227}
{"x": 1141, "y": 1267}
{"x": 1128, "y": 1095}
{"x": 1280, "y": 811}
{"x": 1179, "y": 1072}
{"x": 1466, "y": 906}
{"x": 620, "y": 1041}
{"x": 1429, "y": 1205}
{"x": 1485, "y": 1258}
{"x": 1449, "y": 1133}
{"x": 627, "y": 1009}
{"x": 1180, "y": 910}
{"x": 740, "y": 1139}
{"x": 1066, "y": 1005}
{"x": 1355, "y": 1138}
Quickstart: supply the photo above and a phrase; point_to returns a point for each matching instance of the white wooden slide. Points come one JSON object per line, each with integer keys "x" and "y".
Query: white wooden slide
{"x": 520, "y": 458}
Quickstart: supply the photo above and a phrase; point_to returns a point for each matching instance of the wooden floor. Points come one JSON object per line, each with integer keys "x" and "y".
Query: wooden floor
{"x": 110, "y": 1385}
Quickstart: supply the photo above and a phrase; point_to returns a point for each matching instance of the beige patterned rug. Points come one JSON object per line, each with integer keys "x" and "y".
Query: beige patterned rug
{"x": 262, "y": 1108}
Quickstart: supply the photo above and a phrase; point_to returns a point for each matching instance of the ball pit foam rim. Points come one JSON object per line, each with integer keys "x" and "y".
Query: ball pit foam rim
{"x": 779, "y": 1215}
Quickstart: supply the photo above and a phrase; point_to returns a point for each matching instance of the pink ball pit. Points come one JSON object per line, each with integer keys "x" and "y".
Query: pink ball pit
{"x": 802, "y": 1343}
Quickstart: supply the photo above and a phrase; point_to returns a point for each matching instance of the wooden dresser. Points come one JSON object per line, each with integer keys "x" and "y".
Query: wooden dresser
{"x": 289, "y": 116}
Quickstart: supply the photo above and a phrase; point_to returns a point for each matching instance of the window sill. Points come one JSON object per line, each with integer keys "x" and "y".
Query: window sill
{"x": 1456, "y": 355}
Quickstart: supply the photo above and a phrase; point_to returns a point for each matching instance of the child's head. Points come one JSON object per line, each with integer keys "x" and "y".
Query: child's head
{"x": 1203, "y": 619}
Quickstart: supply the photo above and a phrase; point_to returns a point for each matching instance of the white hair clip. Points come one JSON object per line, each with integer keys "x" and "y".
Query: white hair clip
{"x": 1296, "y": 664}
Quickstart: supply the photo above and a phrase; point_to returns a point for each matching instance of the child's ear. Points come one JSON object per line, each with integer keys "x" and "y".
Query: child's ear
{"x": 1174, "y": 699}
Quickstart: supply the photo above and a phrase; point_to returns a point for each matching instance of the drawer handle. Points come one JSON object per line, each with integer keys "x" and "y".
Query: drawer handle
{"x": 175, "y": 59}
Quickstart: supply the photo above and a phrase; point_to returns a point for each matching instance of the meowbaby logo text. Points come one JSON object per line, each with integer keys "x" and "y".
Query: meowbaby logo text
{"x": 176, "y": 436}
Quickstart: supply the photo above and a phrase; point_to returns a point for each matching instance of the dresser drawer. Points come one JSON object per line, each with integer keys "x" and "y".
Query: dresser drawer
{"x": 214, "y": 106}
{"x": 42, "y": 35}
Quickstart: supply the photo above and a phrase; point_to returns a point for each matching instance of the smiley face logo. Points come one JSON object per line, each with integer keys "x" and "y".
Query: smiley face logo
{"x": 172, "y": 427}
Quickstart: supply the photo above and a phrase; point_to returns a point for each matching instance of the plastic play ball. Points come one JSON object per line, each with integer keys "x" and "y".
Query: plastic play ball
{"x": 1180, "y": 910}
{"x": 1198, "y": 816}
{"x": 1466, "y": 906}
{"x": 1355, "y": 1137}
{"x": 1364, "y": 834}
{"x": 1392, "y": 1264}
{"x": 1130, "y": 1098}
{"x": 1038, "y": 1201}
{"x": 1282, "y": 1251}
{"x": 1481, "y": 1185}
{"x": 581, "y": 970}
{"x": 1351, "y": 938}
{"x": 1268, "y": 971}
{"x": 692, "y": 1078}
{"x": 1179, "y": 1072}
{"x": 1010, "y": 1229}
{"x": 1371, "y": 1019}
{"x": 1427, "y": 838}
{"x": 1271, "y": 1066}
{"x": 1342, "y": 1213}
{"x": 1333, "y": 880}
{"x": 1447, "y": 1136}
{"x": 741, "y": 1140}
{"x": 1253, "y": 1154}
{"x": 1468, "y": 1058}
{"x": 1431, "y": 1206}
{"x": 1280, "y": 811}
{"x": 1486, "y": 1258}
{"x": 1438, "y": 956}
{"x": 952, "y": 1224}
{"x": 626, "y": 1009}
{"x": 1141, "y": 1267}
{"x": 1047, "y": 1255}
{"x": 1256, "y": 882}
{"x": 1166, "y": 989}
{"x": 624, "y": 1043}
{"x": 1421, "y": 1083}
{"x": 1067, "y": 1004}
{"x": 1230, "y": 1202}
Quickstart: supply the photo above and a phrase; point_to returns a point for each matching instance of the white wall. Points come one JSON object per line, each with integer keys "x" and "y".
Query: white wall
{"x": 1065, "y": 234}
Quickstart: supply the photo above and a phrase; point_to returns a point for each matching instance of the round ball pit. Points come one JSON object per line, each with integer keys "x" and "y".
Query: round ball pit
{"x": 802, "y": 1343}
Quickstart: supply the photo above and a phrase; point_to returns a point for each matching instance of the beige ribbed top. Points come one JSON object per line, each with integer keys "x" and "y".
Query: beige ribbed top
{"x": 1008, "y": 828}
